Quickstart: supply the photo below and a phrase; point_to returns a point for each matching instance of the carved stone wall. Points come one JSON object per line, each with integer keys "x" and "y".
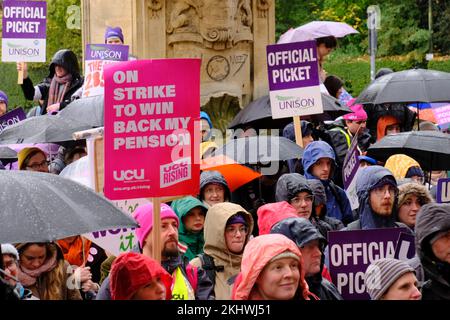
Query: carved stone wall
{"x": 230, "y": 36}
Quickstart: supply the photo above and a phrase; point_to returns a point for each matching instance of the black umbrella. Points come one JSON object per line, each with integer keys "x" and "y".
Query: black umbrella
{"x": 430, "y": 148}
{"x": 260, "y": 149}
{"x": 409, "y": 86}
{"x": 7, "y": 155}
{"x": 258, "y": 114}
{"x": 41, "y": 207}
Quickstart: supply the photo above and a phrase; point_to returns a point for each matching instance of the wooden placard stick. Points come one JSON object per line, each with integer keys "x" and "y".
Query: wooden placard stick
{"x": 298, "y": 131}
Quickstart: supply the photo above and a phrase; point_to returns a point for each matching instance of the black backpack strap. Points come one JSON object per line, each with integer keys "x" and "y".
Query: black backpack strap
{"x": 209, "y": 267}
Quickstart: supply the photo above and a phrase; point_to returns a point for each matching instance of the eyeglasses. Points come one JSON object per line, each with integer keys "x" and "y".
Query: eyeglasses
{"x": 381, "y": 191}
{"x": 37, "y": 166}
{"x": 232, "y": 230}
{"x": 298, "y": 200}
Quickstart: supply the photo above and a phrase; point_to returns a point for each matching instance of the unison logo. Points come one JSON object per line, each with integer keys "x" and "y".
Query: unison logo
{"x": 19, "y": 50}
{"x": 294, "y": 102}
{"x": 102, "y": 53}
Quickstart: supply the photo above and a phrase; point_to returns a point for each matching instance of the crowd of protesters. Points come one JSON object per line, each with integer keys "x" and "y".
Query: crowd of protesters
{"x": 266, "y": 241}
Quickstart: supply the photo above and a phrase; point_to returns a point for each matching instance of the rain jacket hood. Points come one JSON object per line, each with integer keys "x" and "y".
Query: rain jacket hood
{"x": 211, "y": 176}
{"x": 399, "y": 164}
{"x": 66, "y": 59}
{"x": 431, "y": 219}
{"x": 272, "y": 213}
{"x": 383, "y": 122}
{"x": 367, "y": 179}
{"x": 194, "y": 241}
{"x": 257, "y": 254}
{"x": 313, "y": 152}
{"x": 289, "y": 185}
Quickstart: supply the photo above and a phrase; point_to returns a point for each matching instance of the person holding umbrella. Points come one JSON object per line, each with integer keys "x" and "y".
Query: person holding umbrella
{"x": 43, "y": 270}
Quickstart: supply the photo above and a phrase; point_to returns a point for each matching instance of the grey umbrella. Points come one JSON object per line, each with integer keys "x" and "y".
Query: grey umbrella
{"x": 79, "y": 115}
{"x": 430, "y": 148}
{"x": 258, "y": 114}
{"x": 409, "y": 86}
{"x": 41, "y": 207}
{"x": 7, "y": 153}
{"x": 260, "y": 149}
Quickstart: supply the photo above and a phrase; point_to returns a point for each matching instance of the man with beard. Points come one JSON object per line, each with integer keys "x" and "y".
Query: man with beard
{"x": 189, "y": 283}
{"x": 377, "y": 193}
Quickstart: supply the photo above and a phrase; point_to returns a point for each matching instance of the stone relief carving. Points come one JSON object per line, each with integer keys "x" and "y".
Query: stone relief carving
{"x": 217, "y": 24}
{"x": 263, "y": 6}
{"x": 155, "y": 7}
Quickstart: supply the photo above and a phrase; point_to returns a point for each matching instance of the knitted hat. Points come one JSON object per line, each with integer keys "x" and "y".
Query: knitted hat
{"x": 132, "y": 271}
{"x": 3, "y": 97}
{"x": 23, "y": 154}
{"x": 8, "y": 248}
{"x": 113, "y": 32}
{"x": 144, "y": 216}
{"x": 358, "y": 113}
{"x": 237, "y": 218}
{"x": 333, "y": 84}
{"x": 381, "y": 274}
{"x": 286, "y": 254}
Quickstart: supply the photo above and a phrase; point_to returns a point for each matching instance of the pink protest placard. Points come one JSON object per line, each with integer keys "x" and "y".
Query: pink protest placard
{"x": 152, "y": 134}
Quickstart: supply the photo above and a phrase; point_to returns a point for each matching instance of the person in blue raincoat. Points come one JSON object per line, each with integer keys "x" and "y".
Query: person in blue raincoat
{"x": 319, "y": 163}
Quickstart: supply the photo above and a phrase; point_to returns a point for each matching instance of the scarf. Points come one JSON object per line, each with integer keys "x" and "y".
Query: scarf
{"x": 28, "y": 277}
{"x": 76, "y": 252}
{"x": 55, "y": 94}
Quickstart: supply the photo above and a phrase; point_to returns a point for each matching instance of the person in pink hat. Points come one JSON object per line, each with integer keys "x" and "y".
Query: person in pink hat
{"x": 342, "y": 132}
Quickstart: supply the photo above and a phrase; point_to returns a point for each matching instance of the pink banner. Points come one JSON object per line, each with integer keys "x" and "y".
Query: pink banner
{"x": 152, "y": 132}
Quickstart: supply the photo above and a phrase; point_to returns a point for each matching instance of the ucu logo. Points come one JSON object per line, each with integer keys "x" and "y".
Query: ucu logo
{"x": 127, "y": 175}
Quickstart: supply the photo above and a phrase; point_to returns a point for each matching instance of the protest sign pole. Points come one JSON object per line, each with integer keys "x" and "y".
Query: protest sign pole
{"x": 298, "y": 131}
{"x": 156, "y": 230}
{"x": 20, "y": 73}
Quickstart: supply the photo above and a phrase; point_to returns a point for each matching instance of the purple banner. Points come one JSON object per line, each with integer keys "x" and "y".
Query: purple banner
{"x": 406, "y": 248}
{"x": 292, "y": 65}
{"x": 351, "y": 163}
{"x": 11, "y": 118}
{"x": 351, "y": 252}
{"x": 443, "y": 190}
{"x": 24, "y": 19}
{"x": 111, "y": 52}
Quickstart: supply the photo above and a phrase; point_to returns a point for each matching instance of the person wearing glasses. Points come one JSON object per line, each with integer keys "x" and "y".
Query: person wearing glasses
{"x": 295, "y": 189}
{"x": 377, "y": 193}
{"x": 228, "y": 228}
{"x": 32, "y": 159}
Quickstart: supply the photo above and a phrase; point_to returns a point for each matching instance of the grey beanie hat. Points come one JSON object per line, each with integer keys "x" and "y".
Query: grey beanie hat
{"x": 8, "y": 248}
{"x": 382, "y": 273}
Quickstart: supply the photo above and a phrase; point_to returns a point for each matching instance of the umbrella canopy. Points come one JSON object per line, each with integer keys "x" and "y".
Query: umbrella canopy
{"x": 430, "y": 148}
{"x": 415, "y": 85}
{"x": 235, "y": 174}
{"x": 89, "y": 111}
{"x": 258, "y": 114}
{"x": 41, "y": 207}
{"x": 317, "y": 29}
{"x": 260, "y": 149}
{"x": 7, "y": 153}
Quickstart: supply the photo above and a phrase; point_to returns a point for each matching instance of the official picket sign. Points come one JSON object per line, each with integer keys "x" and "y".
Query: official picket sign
{"x": 151, "y": 146}
{"x": 12, "y": 117}
{"x": 294, "y": 84}
{"x": 24, "y": 31}
{"x": 97, "y": 56}
{"x": 406, "y": 248}
{"x": 350, "y": 254}
{"x": 349, "y": 173}
{"x": 443, "y": 190}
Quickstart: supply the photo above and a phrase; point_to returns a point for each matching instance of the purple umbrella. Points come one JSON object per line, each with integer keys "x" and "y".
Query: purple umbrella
{"x": 317, "y": 29}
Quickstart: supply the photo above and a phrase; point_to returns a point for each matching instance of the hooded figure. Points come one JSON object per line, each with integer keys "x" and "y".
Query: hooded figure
{"x": 213, "y": 177}
{"x": 367, "y": 180}
{"x": 272, "y": 213}
{"x": 338, "y": 205}
{"x": 289, "y": 186}
{"x": 407, "y": 208}
{"x": 403, "y": 166}
{"x": 301, "y": 231}
{"x": 193, "y": 240}
{"x": 433, "y": 222}
{"x": 257, "y": 254}
{"x": 225, "y": 264}
{"x": 55, "y": 89}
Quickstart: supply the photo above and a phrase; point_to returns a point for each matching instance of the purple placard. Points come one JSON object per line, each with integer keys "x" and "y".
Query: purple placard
{"x": 351, "y": 252}
{"x": 443, "y": 190}
{"x": 11, "y": 118}
{"x": 24, "y": 19}
{"x": 406, "y": 248}
{"x": 292, "y": 65}
{"x": 111, "y": 52}
{"x": 351, "y": 163}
